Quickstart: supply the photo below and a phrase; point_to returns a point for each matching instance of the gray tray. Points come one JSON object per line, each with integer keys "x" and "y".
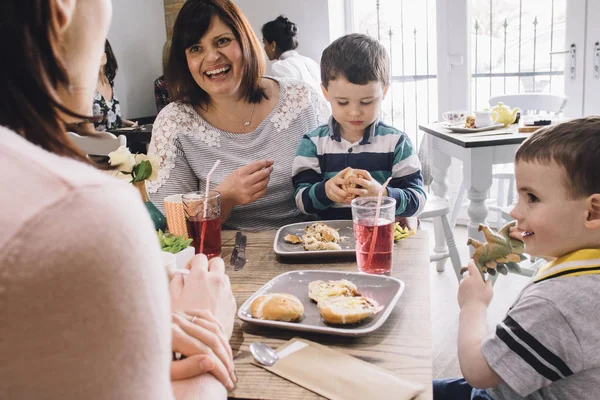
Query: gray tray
{"x": 282, "y": 248}
{"x": 383, "y": 289}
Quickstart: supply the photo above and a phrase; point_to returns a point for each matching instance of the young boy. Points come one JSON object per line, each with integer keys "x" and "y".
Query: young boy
{"x": 355, "y": 78}
{"x": 547, "y": 345}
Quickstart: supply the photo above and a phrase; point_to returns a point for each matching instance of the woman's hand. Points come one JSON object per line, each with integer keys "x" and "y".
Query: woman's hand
{"x": 206, "y": 287}
{"x": 198, "y": 335}
{"x": 246, "y": 184}
{"x": 333, "y": 188}
{"x": 366, "y": 185}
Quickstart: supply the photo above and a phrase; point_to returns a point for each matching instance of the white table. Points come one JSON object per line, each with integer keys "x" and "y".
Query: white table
{"x": 478, "y": 153}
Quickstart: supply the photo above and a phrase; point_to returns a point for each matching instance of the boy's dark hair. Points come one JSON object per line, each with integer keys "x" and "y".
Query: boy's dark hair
{"x": 281, "y": 31}
{"x": 573, "y": 145}
{"x": 190, "y": 26}
{"x": 110, "y": 69}
{"x": 358, "y": 58}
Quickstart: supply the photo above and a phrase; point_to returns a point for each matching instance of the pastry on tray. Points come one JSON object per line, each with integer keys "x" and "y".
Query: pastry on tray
{"x": 277, "y": 307}
{"x": 320, "y": 290}
{"x": 317, "y": 236}
{"x": 347, "y": 310}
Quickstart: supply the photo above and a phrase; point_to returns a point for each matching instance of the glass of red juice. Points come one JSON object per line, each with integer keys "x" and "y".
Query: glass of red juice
{"x": 203, "y": 220}
{"x": 374, "y": 243}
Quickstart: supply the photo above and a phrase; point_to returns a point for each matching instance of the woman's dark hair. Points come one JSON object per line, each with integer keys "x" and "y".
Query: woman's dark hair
{"x": 190, "y": 26}
{"x": 282, "y": 32}
{"x": 29, "y": 104}
{"x": 110, "y": 69}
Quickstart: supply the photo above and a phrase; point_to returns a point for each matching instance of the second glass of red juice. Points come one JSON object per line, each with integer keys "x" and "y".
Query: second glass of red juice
{"x": 374, "y": 247}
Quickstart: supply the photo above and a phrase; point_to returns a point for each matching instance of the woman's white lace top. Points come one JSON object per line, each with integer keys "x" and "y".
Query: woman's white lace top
{"x": 188, "y": 146}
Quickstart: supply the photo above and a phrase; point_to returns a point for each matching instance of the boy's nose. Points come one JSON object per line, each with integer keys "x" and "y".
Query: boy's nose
{"x": 515, "y": 212}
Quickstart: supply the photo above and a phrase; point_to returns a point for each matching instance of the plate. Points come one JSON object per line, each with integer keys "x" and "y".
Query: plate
{"x": 283, "y": 248}
{"x": 460, "y": 128}
{"x": 383, "y": 289}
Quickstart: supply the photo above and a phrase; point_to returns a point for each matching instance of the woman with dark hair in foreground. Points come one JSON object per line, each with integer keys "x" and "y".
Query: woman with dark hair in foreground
{"x": 84, "y": 303}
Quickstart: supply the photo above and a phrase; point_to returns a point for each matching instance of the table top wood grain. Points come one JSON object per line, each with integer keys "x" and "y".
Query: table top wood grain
{"x": 402, "y": 345}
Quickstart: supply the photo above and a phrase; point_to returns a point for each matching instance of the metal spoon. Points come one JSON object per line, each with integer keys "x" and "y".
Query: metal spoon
{"x": 263, "y": 354}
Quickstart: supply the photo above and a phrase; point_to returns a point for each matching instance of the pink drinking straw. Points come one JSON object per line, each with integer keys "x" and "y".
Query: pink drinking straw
{"x": 206, "y": 204}
{"x": 377, "y": 211}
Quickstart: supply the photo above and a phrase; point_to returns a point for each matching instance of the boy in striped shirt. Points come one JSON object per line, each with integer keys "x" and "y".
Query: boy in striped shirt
{"x": 547, "y": 345}
{"x": 355, "y": 79}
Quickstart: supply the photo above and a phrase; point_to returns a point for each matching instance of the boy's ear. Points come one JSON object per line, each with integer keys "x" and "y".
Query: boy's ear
{"x": 593, "y": 208}
{"x": 385, "y": 90}
{"x": 324, "y": 90}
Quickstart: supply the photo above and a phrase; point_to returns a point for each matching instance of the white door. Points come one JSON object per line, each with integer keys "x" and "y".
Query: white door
{"x": 591, "y": 104}
{"x": 575, "y": 65}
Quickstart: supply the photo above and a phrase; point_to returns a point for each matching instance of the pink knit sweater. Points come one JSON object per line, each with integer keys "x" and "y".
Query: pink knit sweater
{"x": 84, "y": 304}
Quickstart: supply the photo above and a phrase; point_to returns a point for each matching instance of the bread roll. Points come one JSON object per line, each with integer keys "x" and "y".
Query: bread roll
{"x": 320, "y": 290}
{"x": 277, "y": 307}
{"x": 347, "y": 310}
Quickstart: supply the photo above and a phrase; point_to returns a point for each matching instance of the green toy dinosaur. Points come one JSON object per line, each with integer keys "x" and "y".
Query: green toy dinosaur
{"x": 500, "y": 254}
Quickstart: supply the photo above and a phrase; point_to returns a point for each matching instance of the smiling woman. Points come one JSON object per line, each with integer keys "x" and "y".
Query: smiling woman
{"x": 225, "y": 109}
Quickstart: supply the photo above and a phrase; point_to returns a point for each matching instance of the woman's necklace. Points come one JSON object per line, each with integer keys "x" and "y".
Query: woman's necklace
{"x": 245, "y": 123}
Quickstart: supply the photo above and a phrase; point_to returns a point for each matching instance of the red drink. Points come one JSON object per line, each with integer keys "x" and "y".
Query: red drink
{"x": 381, "y": 261}
{"x": 205, "y": 235}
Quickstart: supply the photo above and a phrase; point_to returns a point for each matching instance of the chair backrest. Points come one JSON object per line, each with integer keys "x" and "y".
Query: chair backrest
{"x": 98, "y": 145}
{"x": 535, "y": 103}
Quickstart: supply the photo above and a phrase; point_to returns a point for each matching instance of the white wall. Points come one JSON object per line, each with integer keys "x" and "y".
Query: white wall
{"x": 310, "y": 16}
{"x": 137, "y": 35}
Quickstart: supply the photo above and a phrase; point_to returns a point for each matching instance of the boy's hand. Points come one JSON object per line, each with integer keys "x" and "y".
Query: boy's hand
{"x": 473, "y": 290}
{"x": 333, "y": 188}
{"x": 366, "y": 186}
{"x": 515, "y": 233}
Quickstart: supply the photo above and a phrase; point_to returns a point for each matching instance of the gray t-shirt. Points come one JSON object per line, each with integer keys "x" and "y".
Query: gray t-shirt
{"x": 187, "y": 147}
{"x": 547, "y": 346}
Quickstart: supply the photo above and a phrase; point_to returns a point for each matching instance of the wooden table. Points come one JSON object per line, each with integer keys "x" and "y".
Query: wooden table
{"x": 402, "y": 345}
{"x": 478, "y": 153}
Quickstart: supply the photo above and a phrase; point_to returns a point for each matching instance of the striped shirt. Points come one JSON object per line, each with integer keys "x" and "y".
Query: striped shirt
{"x": 188, "y": 146}
{"x": 383, "y": 151}
{"x": 547, "y": 346}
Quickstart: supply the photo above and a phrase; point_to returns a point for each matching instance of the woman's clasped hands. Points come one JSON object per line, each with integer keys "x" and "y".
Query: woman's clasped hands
{"x": 203, "y": 313}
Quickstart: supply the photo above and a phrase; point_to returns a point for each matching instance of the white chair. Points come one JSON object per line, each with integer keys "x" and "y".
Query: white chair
{"x": 438, "y": 209}
{"x": 529, "y": 104}
{"x": 98, "y": 145}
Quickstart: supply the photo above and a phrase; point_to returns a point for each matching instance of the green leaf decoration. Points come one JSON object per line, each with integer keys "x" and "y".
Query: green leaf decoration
{"x": 172, "y": 243}
{"x": 142, "y": 171}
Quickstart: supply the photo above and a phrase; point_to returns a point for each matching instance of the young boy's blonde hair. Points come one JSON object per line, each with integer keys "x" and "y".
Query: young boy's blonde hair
{"x": 573, "y": 145}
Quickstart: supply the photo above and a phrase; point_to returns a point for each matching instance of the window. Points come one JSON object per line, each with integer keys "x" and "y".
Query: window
{"x": 407, "y": 30}
{"x": 512, "y": 42}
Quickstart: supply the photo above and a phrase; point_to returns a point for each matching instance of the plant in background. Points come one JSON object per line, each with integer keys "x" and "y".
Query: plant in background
{"x": 172, "y": 243}
{"x": 133, "y": 168}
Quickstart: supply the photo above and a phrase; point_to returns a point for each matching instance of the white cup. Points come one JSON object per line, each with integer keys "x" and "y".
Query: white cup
{"x": 485, "y": 118}
{"x": 454, "y": 116}
{"x": 170, "y": 263}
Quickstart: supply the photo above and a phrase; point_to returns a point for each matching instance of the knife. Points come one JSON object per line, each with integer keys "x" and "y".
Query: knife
{"x": 234, "y": 253}
{"x": 241, "y": 253}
